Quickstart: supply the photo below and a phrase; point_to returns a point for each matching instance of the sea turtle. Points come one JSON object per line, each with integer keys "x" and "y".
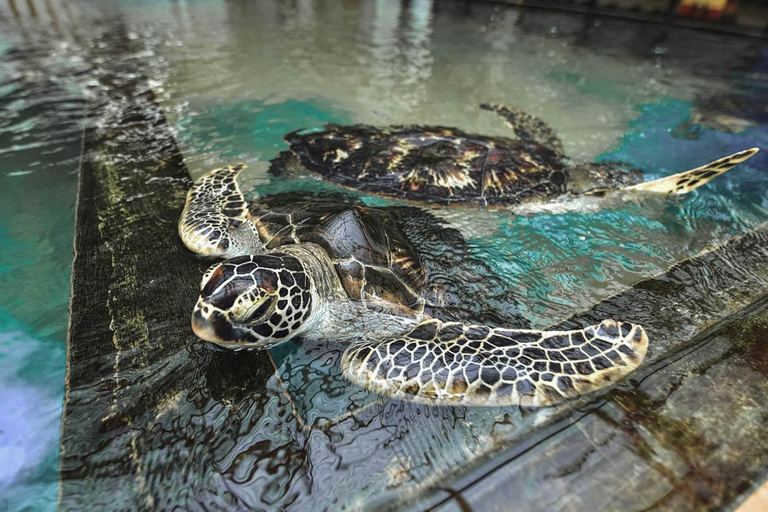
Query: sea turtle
{"x": 341, "y": 271}
{"x": 452, "y": 167}
{"x": 732, "y": 112}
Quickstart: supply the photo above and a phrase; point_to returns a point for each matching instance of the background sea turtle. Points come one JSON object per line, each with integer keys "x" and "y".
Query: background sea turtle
{"x": 452, "y": 167}
{"x": 340, "y": 271}
{"x": 732, "y": 112}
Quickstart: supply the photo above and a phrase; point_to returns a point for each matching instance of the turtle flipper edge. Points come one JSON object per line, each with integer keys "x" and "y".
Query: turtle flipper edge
{"x": 215, "y": 221}
{"x": 454, "y": 364}
{"x": 527, "y": 127}
{"x": 687, "y": 181}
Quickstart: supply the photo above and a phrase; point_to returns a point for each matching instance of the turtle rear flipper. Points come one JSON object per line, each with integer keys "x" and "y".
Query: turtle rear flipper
{"x": 215, "y": 220}
{"x": 528, "y": 127}
{"x": 454, "y": 364}
{"x": 687, "y": 181}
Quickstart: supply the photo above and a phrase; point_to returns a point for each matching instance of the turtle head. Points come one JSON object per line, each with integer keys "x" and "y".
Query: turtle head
{"x": 600, "y": 178}
{"x": 253, "y": 301}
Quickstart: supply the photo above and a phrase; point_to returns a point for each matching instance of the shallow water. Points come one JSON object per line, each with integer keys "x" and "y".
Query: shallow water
{"x": 40, "y": 143}
{"x": 233, "y": 77}
{"x": 422, "y": 63}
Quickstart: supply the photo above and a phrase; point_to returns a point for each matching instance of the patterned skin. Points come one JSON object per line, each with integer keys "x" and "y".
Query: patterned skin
{"x": 269, "y": 294}
{"x": 476, "y": 365}
{"x": 451, "y": 167}
{"x": 346, "y": 273}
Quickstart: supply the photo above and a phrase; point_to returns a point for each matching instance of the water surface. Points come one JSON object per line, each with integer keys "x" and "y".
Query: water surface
{"x": 233, "y": 77}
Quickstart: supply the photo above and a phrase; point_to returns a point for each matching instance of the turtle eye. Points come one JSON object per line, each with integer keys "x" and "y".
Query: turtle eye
{"x": 260, "y": 309}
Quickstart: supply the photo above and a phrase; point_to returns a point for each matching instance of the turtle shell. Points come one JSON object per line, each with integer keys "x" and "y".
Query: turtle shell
{"x": 459, "y": 285}
{"x": 431, "y": 164}
{"x": 400, "y": 259}
{"x": 374, "y": 261}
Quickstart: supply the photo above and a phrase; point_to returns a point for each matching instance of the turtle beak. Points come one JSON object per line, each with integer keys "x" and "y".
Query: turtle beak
{"x": 207, "y": 327}
{"x": 212, "y": 325}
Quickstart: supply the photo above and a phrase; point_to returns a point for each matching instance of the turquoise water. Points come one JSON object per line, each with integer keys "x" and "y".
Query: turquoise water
{"x": 253, "y": 129}
{"x": 563, "y": 262}
{"x": 234, "y": 77}
{"x": 39, "y": 157}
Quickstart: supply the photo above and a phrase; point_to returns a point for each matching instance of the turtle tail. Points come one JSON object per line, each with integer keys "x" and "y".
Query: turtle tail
{"x": 215, "y": 221}
{"x": 687, "y": 181}
{"x": 454, "y": 364}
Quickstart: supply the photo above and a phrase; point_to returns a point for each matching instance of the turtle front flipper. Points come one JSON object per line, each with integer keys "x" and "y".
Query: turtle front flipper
{"x": 215, "y": 220}
{"x": 528, "y": 127}
{"x": 454, "y": 364}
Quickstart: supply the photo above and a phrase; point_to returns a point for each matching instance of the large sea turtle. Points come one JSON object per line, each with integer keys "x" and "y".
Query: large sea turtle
{"x": 341, "y": 271}
{"x": 452, "y": 167}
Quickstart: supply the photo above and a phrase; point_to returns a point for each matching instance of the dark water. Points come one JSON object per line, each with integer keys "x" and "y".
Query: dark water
{"x": 233, "y": 77}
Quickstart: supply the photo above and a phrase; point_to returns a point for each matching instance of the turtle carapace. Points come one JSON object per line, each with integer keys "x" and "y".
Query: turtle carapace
{"x": 449, "y": 166}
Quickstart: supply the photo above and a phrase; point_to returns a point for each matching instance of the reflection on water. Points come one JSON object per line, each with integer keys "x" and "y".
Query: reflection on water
{"x": 234, "y": 76}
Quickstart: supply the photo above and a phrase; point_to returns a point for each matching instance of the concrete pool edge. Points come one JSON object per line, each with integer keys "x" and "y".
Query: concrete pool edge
{"x": 129, "y": 268}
